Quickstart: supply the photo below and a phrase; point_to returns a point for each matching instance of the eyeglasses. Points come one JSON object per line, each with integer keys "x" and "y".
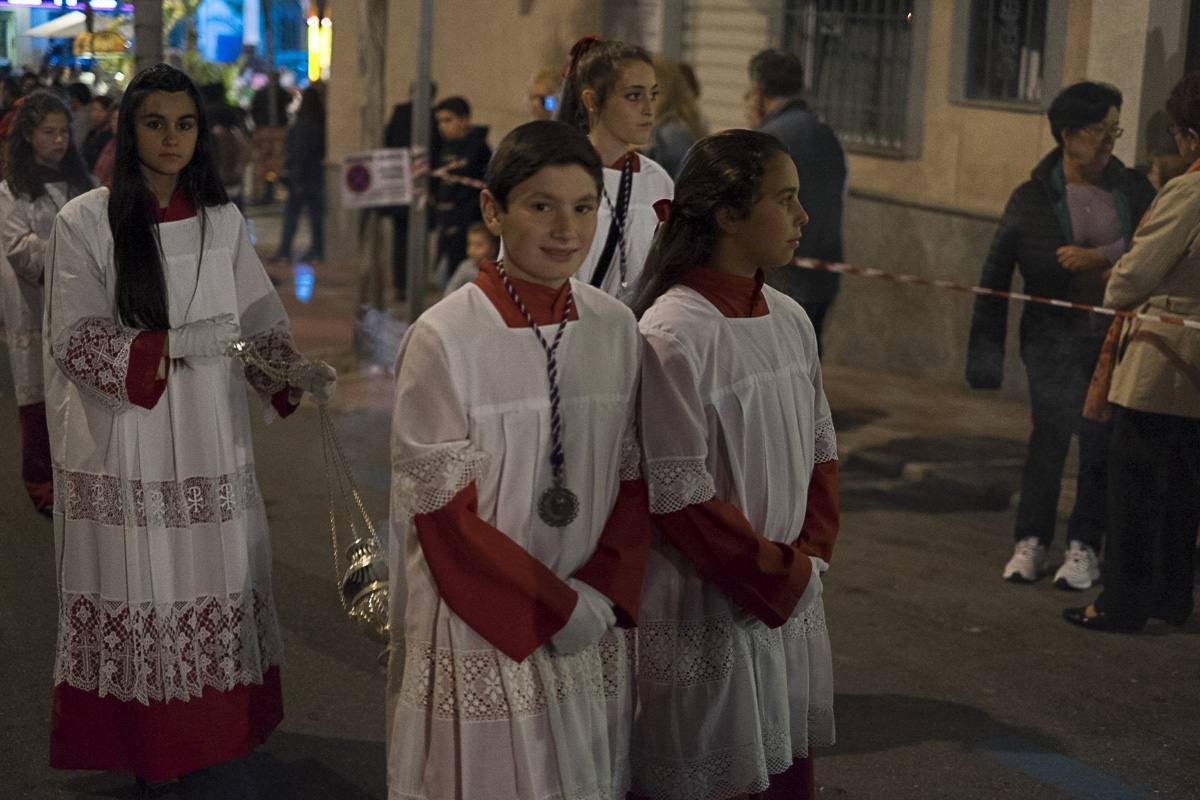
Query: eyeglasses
{"x": 1105, "y": 132}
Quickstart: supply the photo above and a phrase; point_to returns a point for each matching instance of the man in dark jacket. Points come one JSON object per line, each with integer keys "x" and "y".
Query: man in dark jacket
{"x": 398, "y": 133}
{"x": 776, "y": 82}
{"x": 464, "y": 153}
{"x": 1063, "y": 228}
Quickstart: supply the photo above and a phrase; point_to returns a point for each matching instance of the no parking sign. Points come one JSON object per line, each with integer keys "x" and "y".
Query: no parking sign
{"x": 377, "y": 178}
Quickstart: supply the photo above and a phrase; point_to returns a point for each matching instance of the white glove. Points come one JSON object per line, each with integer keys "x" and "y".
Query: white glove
{"x": 814, "y": 588}
{"x": 204, "y": 338}
{"x": 319, "y": 380}
{"x": 592, "y": 617}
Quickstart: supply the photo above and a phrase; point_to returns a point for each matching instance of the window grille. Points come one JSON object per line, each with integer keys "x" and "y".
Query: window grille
{"x": 1006, "y": 51}
{"x": 858, "y": 61}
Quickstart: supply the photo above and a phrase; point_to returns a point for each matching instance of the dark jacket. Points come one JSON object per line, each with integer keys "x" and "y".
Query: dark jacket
{"x": 821, "y": 164}
{"x": 458, "y": 204}
{"x": 305, "y": 155}
{"x": 1036, "y": 222}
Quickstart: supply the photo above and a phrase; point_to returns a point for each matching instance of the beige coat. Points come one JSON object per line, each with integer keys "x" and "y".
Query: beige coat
{"x": 1159, "y": 370}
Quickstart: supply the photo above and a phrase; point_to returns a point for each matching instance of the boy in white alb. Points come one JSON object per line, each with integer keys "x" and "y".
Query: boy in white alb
{"x": 519, "y": 519}
{"x": 735, "y": 675}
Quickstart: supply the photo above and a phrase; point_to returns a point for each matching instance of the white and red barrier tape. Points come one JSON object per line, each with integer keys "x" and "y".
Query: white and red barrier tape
{"x": 916, "y": 280}
{"x": 443, "y": 173}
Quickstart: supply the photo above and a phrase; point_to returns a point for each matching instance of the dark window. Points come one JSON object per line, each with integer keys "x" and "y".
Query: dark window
{"x": 857, "y": 58}
{"x": 1006, "y": 51}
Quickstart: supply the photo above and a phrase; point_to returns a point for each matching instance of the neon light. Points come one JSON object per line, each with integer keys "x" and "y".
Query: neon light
{"x": 314, "y": 49}
{"x": 326, "y": 46}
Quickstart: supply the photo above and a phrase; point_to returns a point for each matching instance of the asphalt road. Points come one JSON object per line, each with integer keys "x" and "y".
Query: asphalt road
{"x": 951, "y": 683}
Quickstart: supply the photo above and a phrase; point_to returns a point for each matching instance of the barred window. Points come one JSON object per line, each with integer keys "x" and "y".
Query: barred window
{"x": 1006, "y": 51}
{"x": 859, "y": 68}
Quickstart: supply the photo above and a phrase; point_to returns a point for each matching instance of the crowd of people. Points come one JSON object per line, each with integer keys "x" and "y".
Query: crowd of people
{"x": 614, "y": 492}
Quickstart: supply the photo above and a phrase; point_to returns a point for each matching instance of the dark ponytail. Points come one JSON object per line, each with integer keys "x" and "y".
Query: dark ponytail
{"x": 593, "y": 64}
{"x": 141, "y": 288}
{"x": 724, "y": 170}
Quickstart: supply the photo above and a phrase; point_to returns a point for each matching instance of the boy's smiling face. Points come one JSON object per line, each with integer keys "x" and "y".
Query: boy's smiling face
{"x": 548, "y": 225}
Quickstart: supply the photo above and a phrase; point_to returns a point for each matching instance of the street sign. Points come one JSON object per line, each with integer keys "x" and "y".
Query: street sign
{"x": 377, "y": 178}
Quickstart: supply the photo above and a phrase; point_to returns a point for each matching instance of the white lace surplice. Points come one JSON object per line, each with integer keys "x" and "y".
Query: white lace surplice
{"x": 164, "y": 578}
{"x": 472, "y": 404}
{"x": 650, "y": 184}
{"x": 732, "y": 409}
{"x": 24, "y": 228}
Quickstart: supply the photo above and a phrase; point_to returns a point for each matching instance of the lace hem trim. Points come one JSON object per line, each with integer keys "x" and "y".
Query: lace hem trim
{"x": 691, "y": 653}
{"x": 824, "y": 442}
{"x": 426, "y": 483}
{"x": 109, "y": 500}
{"x": 168, "y": 651}
{"x": 483, "y": 686}
{"x": 95, "y": 356}
{"x": 631, "y": 460}
{"x": 676, "y": 483}
{"x": 727, "y": 773}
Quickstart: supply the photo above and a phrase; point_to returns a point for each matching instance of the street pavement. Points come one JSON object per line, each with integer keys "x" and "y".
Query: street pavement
{"x": 950, "y": 682}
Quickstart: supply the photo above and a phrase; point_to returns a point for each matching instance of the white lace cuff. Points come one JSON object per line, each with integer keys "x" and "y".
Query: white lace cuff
{"x": 824, "y": 442}
{"x": 676, "y": 483}
{"x": 424, "y": 484}
{"x": 95, "y": 356}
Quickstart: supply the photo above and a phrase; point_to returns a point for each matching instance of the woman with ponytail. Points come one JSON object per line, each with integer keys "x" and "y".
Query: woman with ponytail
{"x": 735, "y": 674}
{"x": 168, "y": 645}
{"x": 609, "y": 92}
{"x": 43, "y": 171}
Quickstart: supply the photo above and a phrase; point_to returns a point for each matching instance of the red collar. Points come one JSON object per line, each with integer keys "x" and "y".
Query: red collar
{"x": 178, "y": 209}
{"x": 735, "y": 296}
{"x": 48, "y": 174}
{"x": 632, "y": 155}
{"x": 545, "y": 303}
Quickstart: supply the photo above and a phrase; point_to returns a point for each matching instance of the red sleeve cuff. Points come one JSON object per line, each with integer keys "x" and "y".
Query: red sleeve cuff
{"x": 142, "y": 384}
{"x": 506, "y": 595}
{"x": 763, "y": 577}
{"x": 618, "y": 565}
{"x": 282, "y": 404}
{"x": 822, "y": 518}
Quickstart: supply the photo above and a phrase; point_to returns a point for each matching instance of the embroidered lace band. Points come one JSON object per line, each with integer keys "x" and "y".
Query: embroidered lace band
{"x": 159, "y": 504}
{"x": 168, "y": 651}
{"x": 631, "y": 459}
{"x": 824, "y": 442}
{"x": 95, "y": 356}
{"x": 426, "y": 483}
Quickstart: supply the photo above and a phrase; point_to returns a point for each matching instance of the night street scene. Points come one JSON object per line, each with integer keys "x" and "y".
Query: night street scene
{"x": 599, "y": 399}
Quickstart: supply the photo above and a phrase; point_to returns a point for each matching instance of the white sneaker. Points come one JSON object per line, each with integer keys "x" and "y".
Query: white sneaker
{"x": 1028, "y": 561}
{"x": 1080, "y": 568}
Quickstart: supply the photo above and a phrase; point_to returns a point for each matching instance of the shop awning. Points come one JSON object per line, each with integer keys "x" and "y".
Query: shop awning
{"x": 68, "y": 26}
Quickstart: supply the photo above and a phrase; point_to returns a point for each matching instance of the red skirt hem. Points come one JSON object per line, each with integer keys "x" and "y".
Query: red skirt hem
{"x": 163, "y": 740}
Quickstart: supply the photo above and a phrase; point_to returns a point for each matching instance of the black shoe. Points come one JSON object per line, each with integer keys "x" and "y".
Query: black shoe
{"x": 1100, "y": 622}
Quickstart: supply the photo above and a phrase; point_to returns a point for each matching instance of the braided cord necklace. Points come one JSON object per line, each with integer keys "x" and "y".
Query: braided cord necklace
{"x": 558, "y": 506}
{"x": 620, "y": 211}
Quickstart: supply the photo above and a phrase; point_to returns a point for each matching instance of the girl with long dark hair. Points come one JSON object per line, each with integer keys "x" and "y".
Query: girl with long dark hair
{"x": 168, "y": 645}
{"x": 304, "y": 168}
{"x": 609, "y": 92}
{"x": 43, "y": 171}
{"x": 735, "y": 674}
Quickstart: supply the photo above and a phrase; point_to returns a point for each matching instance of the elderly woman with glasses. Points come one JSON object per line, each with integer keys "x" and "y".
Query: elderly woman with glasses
{"x": 1154, "y": 472}
{"x": 1063, "y": 229}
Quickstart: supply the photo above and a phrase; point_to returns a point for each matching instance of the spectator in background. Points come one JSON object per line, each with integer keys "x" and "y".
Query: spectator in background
{"x": 1063, "y": 228}
{"x": 304, "y": 176}
{"x": 464, "y": 154}
{"x": 106, "y": 161}
{"x": 231, "y": 141}
{"x": 398, "y": 133}
{"x": 542, "y": 100}
{"x": 1154, "y": 470}
{"x": 678, "y": 123}
{"x": 78, "y": 97}
{"x": 481, "y": 244}
{"x": 268, "y": 110}
{"x": 776, "y": 85}
{"x": 100, "y": 131}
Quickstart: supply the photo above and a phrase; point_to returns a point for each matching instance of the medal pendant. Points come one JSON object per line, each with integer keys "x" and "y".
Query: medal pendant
{"x": 558, "y": 506}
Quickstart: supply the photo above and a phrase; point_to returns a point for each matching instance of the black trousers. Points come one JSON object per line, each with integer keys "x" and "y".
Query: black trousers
{"x": 312, "y": 200}
{"x": 400, "y": 250}
{"x": 452, "y": 244}
{"x": 1154, "y": 508}
{"x": 1059, "y": 372}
